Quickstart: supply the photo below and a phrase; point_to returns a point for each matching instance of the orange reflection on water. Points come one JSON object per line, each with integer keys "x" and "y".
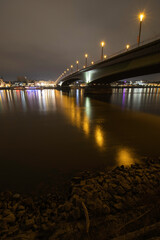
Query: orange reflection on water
{"x": 86, "y": 125}
{"x": 99, "y": 137}
{"x": 125, "y": 157}
{"x": 80, "y": 117}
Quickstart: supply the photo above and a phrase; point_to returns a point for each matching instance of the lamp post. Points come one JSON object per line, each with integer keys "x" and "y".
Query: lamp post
{"x": 102, "y": 45}
{"x": 86, "y": 57}
{"x": 71, "y": 68}
{"x": 141, "y": 17}
{"x": 77, "y": 62}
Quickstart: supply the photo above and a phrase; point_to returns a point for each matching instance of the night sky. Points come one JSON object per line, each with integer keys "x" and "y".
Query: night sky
{"x": 41, "y": 38}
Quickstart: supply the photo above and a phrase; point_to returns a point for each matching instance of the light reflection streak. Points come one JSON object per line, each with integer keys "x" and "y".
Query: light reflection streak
{"x": 125, "y": 157}
{"x": 80, "y": 117}
{"x": 146, "y": 99}
{"x": 99, "y": 137}
{"x": 30, "y": 100}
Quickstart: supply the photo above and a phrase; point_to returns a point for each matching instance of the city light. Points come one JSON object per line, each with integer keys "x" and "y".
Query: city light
{"x": 71, "y": 68}
{"x": 77, "y": 62}
{"x": 141, "y": 17}
{"x": 86, "y": 57}
{"x": 127, "y": 46}
{"x": 102, "y": 45}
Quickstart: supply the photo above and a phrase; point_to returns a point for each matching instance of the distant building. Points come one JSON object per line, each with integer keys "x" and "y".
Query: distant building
{"x": 2, "y": 83}
{"x": 43, "y": 83}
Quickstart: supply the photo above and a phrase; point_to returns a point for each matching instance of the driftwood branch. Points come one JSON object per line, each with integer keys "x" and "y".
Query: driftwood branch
{"x": 87, "y": 217}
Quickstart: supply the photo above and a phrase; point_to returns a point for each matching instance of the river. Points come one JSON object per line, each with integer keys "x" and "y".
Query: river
{"x": 48, "y": 136}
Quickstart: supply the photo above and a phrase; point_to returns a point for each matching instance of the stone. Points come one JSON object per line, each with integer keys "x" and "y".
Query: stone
{"x": 138, "y": 179}
{"x": 106, "y": 209}
{"x": 126, "y": 186}
{"x": 83, "y": 182}
{"x": 16, "y": 196}
{"x": 13, "y": 230}
{"x": 20, "y": 208}
{"x": 6, "y": 212}
{"x": 9, "y": 218}
{"x": 118, "y": 206}
{"x": 28, "y": 202}
{"x": 76, "y": 213}
{"x": 44, "y": 227}
{"x": 29, "y": 223}
{"x": 20, "y": 213}
{"x": 68, "y": 206}
{"x": 120, "y": 190}
{"x": 76, "y": 200}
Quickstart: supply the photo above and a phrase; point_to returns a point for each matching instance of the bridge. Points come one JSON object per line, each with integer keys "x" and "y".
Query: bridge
{"x": 138, "y": 61}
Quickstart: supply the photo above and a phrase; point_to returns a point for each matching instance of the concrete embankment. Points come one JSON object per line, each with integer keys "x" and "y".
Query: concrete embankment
{"x": 102, "y": 205}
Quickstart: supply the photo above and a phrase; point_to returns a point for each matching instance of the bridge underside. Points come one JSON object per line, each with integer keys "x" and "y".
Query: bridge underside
{"x": 127, "y": 74}
{"x": 119, "y": 76}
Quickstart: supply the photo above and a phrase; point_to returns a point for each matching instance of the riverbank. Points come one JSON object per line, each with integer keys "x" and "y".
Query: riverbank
{"x": 103, "y": 205}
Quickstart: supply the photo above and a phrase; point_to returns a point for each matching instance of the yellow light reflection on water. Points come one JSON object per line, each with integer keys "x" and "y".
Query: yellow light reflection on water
{"x": 99, "y": 137}
{"x": 125, "y": 157}
{"x": 86, "y": 125}
{"x": 80, "y": 117}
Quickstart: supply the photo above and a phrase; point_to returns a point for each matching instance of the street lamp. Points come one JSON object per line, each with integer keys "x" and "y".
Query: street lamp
{"x": 141, "y": 17}
{"x": 71, "y": 68}
{"x": 84, "y": 66}
{"x": 86, "y": 57}
{"x": 77, "y": 64}
{"x": 127, "y": 46}
{"x": 105, "y": 56}
{"x": 102, "y": 45}
{"x": 92, "y": 62}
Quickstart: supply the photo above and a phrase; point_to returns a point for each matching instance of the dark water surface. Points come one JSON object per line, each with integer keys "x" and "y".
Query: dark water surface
{"x": 47, "y": 136}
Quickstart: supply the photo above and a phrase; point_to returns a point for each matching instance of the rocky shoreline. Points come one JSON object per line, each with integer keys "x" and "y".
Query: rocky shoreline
{"x": 103, "y": 205}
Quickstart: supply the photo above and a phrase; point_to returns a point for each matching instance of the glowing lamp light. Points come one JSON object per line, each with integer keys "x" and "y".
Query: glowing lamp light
{"x": 92, "y": 62}
{"x": 127, "y": 46}
{"x": 67, "y": 69}
{"x": 102, "y": 44}
{"x": 141, "y": 17}
{"x": 77, "y": 62}
{"x": 71, "y": 66}
{"x": 84, "y": 66}
{"x": 105, "y": 56}
{"x": 86, "y": 55}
